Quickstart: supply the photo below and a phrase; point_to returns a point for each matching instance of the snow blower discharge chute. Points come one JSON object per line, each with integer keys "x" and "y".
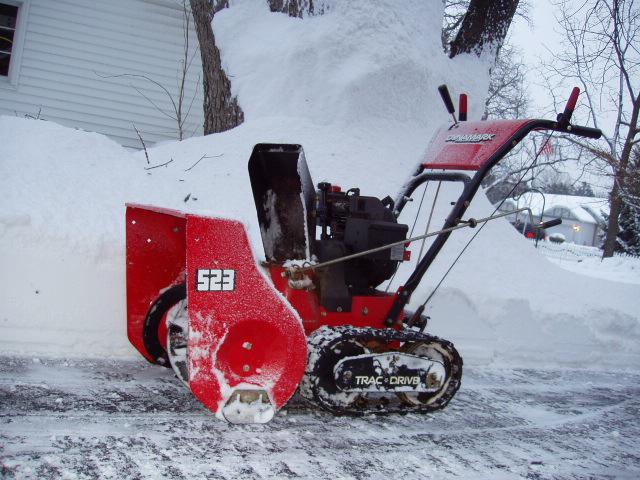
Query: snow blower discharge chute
{"x": 243, "y": 336}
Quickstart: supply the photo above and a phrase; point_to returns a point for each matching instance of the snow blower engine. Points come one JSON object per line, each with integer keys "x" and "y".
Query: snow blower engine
{"x": 243, "y": 336}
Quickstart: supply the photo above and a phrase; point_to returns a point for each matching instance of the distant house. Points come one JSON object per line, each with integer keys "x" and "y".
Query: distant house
{"x": 583, "y": 218}
{"x": 83, "y": 63}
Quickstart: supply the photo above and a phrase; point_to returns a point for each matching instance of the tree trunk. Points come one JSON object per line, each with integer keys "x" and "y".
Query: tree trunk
{"x": 484, "y": 25}
{"x": 613, "y": 226}
{"x": 293, "y": 8}
{"x": 221, "y": 109}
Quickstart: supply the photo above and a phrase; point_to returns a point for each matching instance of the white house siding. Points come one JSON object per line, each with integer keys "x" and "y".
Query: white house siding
{"x": 585, "y": 235}
{"x": 69, "y": 44}
{"x": 586, "y": 213}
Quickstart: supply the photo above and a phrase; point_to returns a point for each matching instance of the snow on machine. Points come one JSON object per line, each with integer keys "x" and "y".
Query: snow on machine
{"x": 244, "y": 336}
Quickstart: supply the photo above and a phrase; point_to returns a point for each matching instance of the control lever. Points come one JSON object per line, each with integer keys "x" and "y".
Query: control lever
{"x": 448, "y": 103}
{"x": 462, "y": 107}
{"x": 565, "y": 117}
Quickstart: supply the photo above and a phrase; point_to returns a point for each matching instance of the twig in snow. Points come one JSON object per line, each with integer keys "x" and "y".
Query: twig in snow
{"x": 146, "y": 154}
{"x": 202, "y": 158}
{"x": 161, "y": 165}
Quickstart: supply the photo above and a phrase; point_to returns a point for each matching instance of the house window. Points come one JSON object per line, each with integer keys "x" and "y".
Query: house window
{"x": 8, "y": 20}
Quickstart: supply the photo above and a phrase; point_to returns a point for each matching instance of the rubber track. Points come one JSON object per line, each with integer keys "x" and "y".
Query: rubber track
{"x": 321, "y": 342}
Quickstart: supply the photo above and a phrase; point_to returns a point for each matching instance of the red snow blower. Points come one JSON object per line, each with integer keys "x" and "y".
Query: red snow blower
{"x": 243, "y": 336}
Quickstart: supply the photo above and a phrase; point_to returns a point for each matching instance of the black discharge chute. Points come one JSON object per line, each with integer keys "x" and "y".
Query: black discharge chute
{"x": 284, "y": 196}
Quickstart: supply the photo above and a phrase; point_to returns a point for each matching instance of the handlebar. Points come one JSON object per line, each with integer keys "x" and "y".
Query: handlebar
{"x": 564, "y": 119}
{"x": 586, "y": 132}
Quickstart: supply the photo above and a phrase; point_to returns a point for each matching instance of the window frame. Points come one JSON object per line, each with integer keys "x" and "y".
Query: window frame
{"x": 11, "y": 80}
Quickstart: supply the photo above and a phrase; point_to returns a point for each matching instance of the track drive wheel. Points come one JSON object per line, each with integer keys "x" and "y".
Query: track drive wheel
{"x": 319, "y": 383}
{"x": 439, "y": 353}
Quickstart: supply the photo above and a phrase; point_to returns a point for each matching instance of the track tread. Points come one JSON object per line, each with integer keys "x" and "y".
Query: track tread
{"x": 320, "y": 343}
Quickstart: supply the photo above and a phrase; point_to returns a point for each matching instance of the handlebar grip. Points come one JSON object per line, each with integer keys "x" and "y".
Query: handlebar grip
{"x": 550, "y": 223}
{"x": 571, "y": 104}
{"x": 587, "y": 132}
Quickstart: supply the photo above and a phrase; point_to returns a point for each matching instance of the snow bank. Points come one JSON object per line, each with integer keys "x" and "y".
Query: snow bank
{"x": 362, "y": 61}
{"x": 505, "y": 300}
{"x": 588, "y": 261}
{"x": 357, "y": 88}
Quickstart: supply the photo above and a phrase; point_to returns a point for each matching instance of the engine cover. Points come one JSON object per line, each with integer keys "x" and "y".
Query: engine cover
{"x": 353, "y": 223}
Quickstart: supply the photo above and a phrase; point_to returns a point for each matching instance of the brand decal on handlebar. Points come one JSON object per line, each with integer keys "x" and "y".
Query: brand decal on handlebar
{"x": 471, "y": 138}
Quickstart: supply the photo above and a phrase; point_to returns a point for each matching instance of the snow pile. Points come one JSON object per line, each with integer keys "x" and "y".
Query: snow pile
{"x": 362, "y": 61}
{"x": 504, "y": 299}
{"x": 619, "y": 268}
{"x": 355, "y": 87}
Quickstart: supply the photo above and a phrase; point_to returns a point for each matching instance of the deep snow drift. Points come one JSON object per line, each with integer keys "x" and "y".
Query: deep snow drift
{"x": 357, "y": 88}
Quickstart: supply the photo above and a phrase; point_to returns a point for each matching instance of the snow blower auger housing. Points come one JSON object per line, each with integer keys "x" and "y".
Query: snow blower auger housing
{"x": 243, "y": 336}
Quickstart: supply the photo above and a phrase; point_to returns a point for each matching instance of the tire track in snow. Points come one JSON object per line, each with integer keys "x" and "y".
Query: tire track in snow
{"x": 114, "y": 420}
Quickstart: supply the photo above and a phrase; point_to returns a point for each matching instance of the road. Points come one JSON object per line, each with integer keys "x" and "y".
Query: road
{"x": 127, "y": 419}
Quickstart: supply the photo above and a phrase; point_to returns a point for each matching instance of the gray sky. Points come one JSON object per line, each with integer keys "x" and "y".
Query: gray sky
{"x": 535, "y": 40}
{"x": 540, "y": 39}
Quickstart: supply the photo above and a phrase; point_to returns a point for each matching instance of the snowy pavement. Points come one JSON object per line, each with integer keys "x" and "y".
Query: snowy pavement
{"x": 126, "y": 419}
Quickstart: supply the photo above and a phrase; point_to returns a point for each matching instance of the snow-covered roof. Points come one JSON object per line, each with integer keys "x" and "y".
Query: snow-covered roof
{"x": 585, "y": 209}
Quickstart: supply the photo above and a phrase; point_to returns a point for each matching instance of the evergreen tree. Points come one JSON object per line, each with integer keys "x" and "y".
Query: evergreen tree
{"x": 628, "y": 238}
{"x": 561, "y": 188}
{"x": 583, "y": 190}
{"x": 566, "y": 188}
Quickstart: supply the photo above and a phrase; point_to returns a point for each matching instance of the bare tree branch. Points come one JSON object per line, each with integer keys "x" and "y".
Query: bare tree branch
{"x": 176, "y": 113}
{"x": 601, "y": 45}
{"x": 144, "y": 147}
{"x": 202, "y": 158}
{"x": 158, "y": 166}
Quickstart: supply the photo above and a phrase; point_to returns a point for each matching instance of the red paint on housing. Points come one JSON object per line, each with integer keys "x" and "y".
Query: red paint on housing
{"x": 248, "y": 335}
{"x": 366, "y": 311}
{"x": 155, "y": 261}
{"x": 461, "y": 147}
